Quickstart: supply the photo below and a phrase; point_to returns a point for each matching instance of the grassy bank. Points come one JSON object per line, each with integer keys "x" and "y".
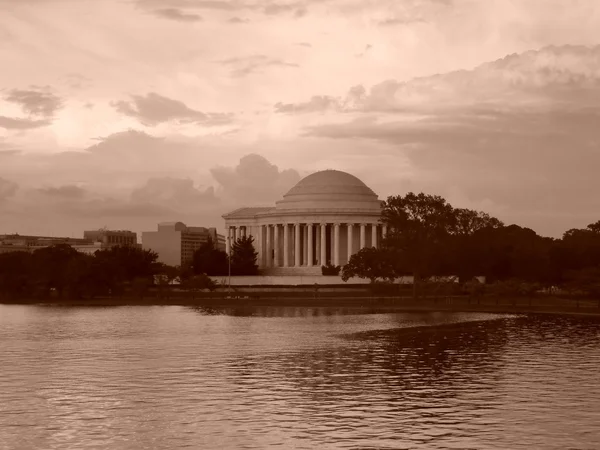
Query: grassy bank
{"x": 355, "y": 300}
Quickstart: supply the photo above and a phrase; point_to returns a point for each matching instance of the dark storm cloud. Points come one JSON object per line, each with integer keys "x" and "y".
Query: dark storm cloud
{"x": 244, "y": 66}
{"x": 153, "y": 109}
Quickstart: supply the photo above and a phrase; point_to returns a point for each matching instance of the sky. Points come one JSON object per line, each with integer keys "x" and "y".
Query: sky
{"x": 126, "y": 113}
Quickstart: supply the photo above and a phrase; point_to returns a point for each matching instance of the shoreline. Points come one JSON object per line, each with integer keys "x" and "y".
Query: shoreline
{"x": 534, "y": 305}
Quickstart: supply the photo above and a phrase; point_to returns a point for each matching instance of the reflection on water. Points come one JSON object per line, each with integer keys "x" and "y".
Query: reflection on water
{"x": 175, "y": 377}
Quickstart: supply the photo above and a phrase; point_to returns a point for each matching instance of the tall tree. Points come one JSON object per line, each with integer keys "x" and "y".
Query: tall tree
{"x": 463, "y": 253}
{"x": 243, "y": 257}
{"x": 210, "y": 260}
{"x": 419, "y": 226}
{"x": 51, "y": 267}
{"x": 15, "y": 274}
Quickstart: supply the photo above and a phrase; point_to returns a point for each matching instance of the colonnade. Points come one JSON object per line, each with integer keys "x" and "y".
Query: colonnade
{"x": 308, "y": 244}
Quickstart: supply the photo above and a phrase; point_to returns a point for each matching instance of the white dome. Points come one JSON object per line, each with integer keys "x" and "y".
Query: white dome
{"x": 331, "y": 190}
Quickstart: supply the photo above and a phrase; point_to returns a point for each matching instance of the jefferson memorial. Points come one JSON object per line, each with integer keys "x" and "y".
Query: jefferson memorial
{"x": 327, "y": 217}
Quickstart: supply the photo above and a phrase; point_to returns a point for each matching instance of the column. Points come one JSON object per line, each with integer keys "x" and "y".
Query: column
{"x": 350, "y": 227}
{"x": 276, "y": 245}
{"x": 336, "y": 244}
{"x": 317, "y": 244}
{"x": 323, "y": 244}
{"x": 297, "y": 245}
{"x": 383, "y": 231}
{"x": 363, "y": 228}
{"x": 269, "y": 246}
{"x": 309, "y": 227}
{"x": 286, "y": 245}
{"x": 257, "y": 233}
{"x": 305, "y": 245}
{"x": 227, "y": 240}
{"x": 374, "y": 235}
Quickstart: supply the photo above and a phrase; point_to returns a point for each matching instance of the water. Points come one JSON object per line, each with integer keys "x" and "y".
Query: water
{"x": 177, "y": 377}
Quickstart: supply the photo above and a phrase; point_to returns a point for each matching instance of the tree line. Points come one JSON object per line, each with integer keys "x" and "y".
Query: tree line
{"x": 61, "y": 271}
{"x": 427, "y": 237}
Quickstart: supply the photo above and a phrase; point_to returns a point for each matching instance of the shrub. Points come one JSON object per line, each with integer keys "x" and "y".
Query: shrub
{"x": 331, "y": 270}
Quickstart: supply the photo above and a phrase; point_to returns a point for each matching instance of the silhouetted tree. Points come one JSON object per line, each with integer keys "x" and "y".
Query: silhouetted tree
{"x": 209, "y": 260}
{"x": 419, "y": 227}
{"x": 50, "y": 268}
{"x": 122, "y": 264}
{"x": 243, "y": 257}
{"x": 461, "y": 256}
{"x": 16, "y": 274}
{"x": 370, "y": 263}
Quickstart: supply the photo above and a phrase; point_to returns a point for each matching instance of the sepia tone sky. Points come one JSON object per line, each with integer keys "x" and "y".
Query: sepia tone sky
{"x": 124, "y": 113}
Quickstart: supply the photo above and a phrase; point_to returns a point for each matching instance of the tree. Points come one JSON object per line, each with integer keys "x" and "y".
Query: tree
{"x": 121, "y": 264}
{"x": 198, "y": 283}
{"x": 15, "y": 274}
{"x": 585, "y": 280}
{"x": 50, "y": 267}
{"x": 243, "y": 257}
{"x": 370, "y": 263}
{"x": 165, "y": 277}
{"x": 209, "y": 260}
{"x": 419, "y": 227}
{"x": 140, "y": 286}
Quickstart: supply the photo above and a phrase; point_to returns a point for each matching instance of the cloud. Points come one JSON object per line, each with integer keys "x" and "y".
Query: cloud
{"x": 237, "y": 20}
{"x": 177, "y": 193}
{"x": 248, "y": 65}
{"x": 177, "y": 15}
{"x": 394, "y": 21}
{"x": 317, "y": 103}
{"x": 253, "y": 181}
{"x": 38, "y": 103}
{"x": 64, "y": 192}
{"x": 153, "y": 109}
{"x": 353, "y": 101}
{"x": 299, "y": 9}
{"x": 566, "y": 75}
{"x": 12, "y": 123}
{"x": 518, "y": 135}
{"x": 7, "y": 189}
{"x": 35, "y": 102}
{"x": 304, "y": 44}
{"x": 269, "y": 8}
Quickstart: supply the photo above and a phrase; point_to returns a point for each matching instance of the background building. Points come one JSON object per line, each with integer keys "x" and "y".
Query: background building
{"x": 91, "y": 242}
{"x": 111, "y": 238}
{"x": 176, "y": 243}
{"x": 326, "y": 218}
{"x": 17, "y": 242}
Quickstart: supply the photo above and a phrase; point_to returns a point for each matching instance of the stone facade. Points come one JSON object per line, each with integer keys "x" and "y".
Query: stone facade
{"x": 327, "y": 217}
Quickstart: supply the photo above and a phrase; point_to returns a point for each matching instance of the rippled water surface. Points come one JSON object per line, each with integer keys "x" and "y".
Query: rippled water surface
{"x": 177, "y": 377}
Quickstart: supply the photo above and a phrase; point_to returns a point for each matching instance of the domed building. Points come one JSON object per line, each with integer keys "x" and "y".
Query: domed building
{"x": 327, "y": 217}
